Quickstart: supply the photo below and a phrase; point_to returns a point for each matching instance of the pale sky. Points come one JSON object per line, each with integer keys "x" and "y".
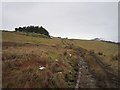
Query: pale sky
{"x": 81, "y": 20}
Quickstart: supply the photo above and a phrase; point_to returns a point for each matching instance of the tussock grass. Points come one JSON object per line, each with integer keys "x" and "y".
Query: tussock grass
{"x": 24, "y": 53}
{"x": 21, "y": 66}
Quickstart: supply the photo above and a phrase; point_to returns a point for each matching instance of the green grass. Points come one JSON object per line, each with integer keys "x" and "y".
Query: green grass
{"x": 23, "y": 53}
{"x": 107, "y": 49}
{"x": 18, "y": 37}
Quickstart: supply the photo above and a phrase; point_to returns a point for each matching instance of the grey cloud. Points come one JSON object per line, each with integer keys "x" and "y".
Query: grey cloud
{"x": 65, "y": 19}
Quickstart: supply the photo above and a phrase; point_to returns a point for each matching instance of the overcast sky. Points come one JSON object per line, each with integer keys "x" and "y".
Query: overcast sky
{"x": 83, "y": 20}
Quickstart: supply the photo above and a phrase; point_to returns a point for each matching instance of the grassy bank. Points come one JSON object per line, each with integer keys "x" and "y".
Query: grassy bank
{"x": 24, "y": 53}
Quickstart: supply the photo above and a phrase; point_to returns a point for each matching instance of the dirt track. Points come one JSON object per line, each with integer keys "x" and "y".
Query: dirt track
{"x": 92, "y": 73}
{"x": 85, "y": 79}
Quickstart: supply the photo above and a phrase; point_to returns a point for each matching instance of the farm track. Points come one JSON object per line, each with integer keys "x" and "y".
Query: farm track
{"x": 112, "y": 79}
{"x": 85, "y": 78}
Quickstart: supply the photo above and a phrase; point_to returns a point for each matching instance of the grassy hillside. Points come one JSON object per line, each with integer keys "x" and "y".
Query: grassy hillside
{"x": 107, "y": 51}
{"x": 24, "y": 53}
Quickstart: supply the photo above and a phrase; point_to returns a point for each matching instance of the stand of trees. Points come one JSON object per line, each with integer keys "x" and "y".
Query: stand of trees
{"x": 33, "y": 29}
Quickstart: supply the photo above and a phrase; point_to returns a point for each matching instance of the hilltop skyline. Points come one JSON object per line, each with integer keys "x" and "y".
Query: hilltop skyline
{"x": 78, "y": 20}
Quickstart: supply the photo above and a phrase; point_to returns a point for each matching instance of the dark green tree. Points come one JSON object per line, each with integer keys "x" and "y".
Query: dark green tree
{"x": 33, "y": 29}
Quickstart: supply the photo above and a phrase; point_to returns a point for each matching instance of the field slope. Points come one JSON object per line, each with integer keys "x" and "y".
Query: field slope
{"x": 32, "y": 60}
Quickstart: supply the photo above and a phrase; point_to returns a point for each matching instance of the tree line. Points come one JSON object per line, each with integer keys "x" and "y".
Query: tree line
{"x": 33, "y": 29}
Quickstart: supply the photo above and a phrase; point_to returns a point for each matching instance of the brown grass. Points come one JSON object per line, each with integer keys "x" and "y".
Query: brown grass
{"x": 21, "y": 66}
{"x": 22, "y": 55}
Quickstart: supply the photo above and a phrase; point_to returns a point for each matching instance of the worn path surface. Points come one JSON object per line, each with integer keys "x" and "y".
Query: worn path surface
{"x": 85, "y": 79}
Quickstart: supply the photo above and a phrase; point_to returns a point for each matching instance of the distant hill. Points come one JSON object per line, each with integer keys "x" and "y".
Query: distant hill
{"x": 110, "y": 42}
{"x": 97, "y": 39}
{"x": 100, "y": 39}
